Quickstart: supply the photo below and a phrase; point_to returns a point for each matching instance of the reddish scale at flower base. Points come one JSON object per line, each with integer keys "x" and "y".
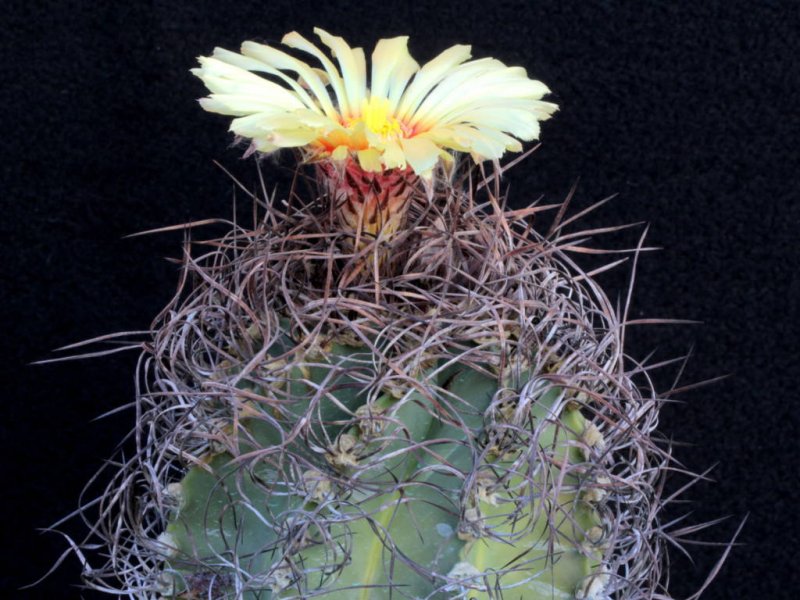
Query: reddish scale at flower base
{"x": 368, "y": 202}
{"x": 368, "y": 198}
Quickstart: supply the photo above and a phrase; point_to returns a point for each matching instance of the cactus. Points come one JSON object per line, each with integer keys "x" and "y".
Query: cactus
{"x": 395, "y": 387}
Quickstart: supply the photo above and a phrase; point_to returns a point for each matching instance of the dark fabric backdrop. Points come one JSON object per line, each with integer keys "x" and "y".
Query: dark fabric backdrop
{"x": 687, "y": 110}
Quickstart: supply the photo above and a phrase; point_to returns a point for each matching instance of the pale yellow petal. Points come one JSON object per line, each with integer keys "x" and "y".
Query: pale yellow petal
{"x": 449, "y": 88}
{"x": 295, "y": 40}
{"x": 268, "y": 91}
{"x": 243, "y": 87}
{"x": 370, "y": 160}
{"x": 322, "y": 74}
{"x": 483, "y": 144}
{"x": 340, "y": 152}
{"x": 361, "y": 92}
{"x": 393, "y": 155}
{"x": 392, "y": 67}
{"x": 448, "y": 137}
{"x": 236, "y": 105}
{"x": 487, "y": 89}
{"x": 292, "y": 138}
{"x": 280, "y": 130}
{"x": 253, "y": 126}
{"x": 223, "y": 78}
{"x": 428, "y": 76}
{"x": 303, "y": 118}
{"x": 422, "y": 154}
{"x": 523, "y": 124}
{"x": 321, "y": 122}
{"x": 398, "y": 83}
{"x": 264, "y": 146}
{"x": 353, "y": 67}
{"x": 252, "y": 64}
{"x": 281, "y": 61}
{"x": 545, "y": 110}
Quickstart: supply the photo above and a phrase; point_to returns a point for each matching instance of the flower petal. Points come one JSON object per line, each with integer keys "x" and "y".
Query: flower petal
{"x": 421, "y": 153}
{"x": 340, "y": 152}
{"x": 490, "y": 90}
{"x": 447, "y": 90}
{"x": 295, "y": 40}
{"x": 281, "y": 61}
{"x": 223, "y": 78}
{"x": 370, "y": 160}
{"x": 352, "y": 65}
{"x": 411, "y": 116}
{"x": 252, "y": 64}
{"x": 521, "y": 123}
{"x": 279, "y": 130}
{"x": 238, "y": 105}
{"x": 428, "y": 76}
{"x": 253, "y": 126}
{"x": 482, "y": 144}
{"x": 392, "y": 67}
{"x": 393, "y": 155}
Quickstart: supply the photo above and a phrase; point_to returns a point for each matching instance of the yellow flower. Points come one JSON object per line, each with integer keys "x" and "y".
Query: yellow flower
{"x": 408, "y": 116}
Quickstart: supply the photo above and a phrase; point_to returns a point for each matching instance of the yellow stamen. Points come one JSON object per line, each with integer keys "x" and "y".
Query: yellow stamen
{"x": 376, "y": 117}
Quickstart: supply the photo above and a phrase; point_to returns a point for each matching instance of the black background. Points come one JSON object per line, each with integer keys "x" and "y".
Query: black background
{"x": 688, "y": 110}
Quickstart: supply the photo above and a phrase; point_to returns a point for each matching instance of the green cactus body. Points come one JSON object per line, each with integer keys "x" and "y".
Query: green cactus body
{"x": 392, "y": 504}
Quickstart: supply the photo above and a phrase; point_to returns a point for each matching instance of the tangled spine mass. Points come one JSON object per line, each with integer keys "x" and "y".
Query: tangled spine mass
{"x": 446, "y": 413}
